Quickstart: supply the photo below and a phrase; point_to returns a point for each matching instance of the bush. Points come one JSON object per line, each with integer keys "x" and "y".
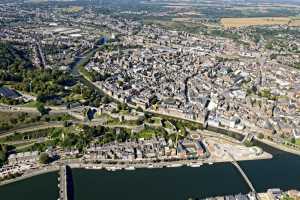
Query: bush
{"x": 41, "y": 108}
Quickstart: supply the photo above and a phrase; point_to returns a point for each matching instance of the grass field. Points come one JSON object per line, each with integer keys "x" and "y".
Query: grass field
{"x": 258, "y": 21}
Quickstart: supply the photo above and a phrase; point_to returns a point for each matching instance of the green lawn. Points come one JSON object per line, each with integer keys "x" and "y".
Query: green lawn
{"x": 74, "y": 97}
{"x": 31, "y": 104}
{"x": 146, "y": 134}
{"x": 157, "y": 120}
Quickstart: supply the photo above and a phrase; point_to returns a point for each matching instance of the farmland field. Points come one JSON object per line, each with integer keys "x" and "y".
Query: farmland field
{"x": 258, "y": 21}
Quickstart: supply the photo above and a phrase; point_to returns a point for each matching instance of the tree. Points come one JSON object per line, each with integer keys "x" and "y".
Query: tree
{"x": 119, "y": 106}
{"x": 4, "y": 126}
{"x": 41, "y": 108}
{"x": 260, "y": 136}
{"x": 67, "y": 123}
{"x": 293, "y": 140}
{"x": 139, "y": 109}
{"x": 2, "y": 156}
{"x": 269, "y": 45}
{"x": 153, "y": 100}
{"x": 44, "y": 158}
{"x": 105, "y": 100}
{"x": 248, "y": 144}
{"x": 273, "y": 56}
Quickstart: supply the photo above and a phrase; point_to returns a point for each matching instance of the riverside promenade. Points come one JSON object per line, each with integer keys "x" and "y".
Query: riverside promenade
{"x": 119, "y": 164}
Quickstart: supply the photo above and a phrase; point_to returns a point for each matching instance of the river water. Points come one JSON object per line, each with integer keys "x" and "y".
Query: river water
{"x": 283, "y": 171}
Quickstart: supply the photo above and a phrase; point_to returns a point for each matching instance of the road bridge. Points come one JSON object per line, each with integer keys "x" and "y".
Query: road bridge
{"x": 63, "y": 189}
{"x": 245, "y": 177}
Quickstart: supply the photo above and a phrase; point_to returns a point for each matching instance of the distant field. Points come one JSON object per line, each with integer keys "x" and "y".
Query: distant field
{"x": 259, "y": 21}
{"x": 295, "y": 22}
{"x": 73, "y": 9}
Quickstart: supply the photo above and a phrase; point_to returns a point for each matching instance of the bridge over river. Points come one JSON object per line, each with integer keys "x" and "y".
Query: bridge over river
{"x": 65, "y": 183}
{"x": 245, "y": 177}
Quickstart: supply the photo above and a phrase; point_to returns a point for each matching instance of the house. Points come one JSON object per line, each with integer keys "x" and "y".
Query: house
{"x": 274, "y": 194}
{"x": 213, "y": 104}
{"x": 23, "y": 157}
{"x": 213, "y": 122}
{"x": 181, "y": 151}
{"x": 189, "y": 149}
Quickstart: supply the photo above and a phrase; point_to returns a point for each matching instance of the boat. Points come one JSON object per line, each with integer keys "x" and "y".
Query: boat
{"x": 195, "y": 164}
{"x": 97, "y": 167}
{"x": 174, "y": 165}
{"x": 130, "y": 168}
{"x": 113, "y": 168}
{"x": 150, "y": 166}
{"x": 210, "y": 163}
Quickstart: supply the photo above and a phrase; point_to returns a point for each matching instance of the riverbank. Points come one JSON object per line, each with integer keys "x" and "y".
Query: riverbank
{"x": 279, "y": 146}
{"x": 31, "y": 174}
{"x": 77, "y": 164}
{"x": 201, "y": 182}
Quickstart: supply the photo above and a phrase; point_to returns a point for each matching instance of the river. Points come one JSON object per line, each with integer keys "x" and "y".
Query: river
{"x": 167, "y": 183}
{"x": 42, "y": 187}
